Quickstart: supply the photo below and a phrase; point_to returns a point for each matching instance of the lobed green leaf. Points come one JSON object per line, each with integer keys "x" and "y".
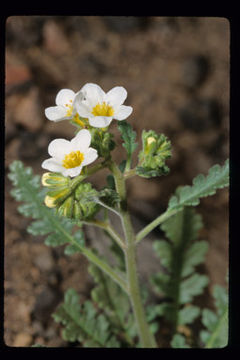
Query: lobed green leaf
{"x": 83, "y": 323}
{"x": 215, "y": 334}
{"x": 202, "y": 186}
{"x": 128, "y": 136}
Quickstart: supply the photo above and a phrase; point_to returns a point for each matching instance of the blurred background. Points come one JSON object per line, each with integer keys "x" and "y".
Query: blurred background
{"x": 176, "y": 72}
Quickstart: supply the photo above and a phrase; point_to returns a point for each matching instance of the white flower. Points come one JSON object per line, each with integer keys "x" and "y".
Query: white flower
{"x": 65, "y": 106}
{"x": 69, "y": 157}
{"x": 101, "y": 108}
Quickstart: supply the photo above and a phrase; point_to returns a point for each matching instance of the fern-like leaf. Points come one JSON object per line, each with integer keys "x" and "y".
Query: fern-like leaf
{"x": 202, "y": 186}
{"x": 83, "y": 323}
{"x": 28, "y": 190}
{"x": 216, "y": 323}
{"x": 179, "y": 342}
{"x": 179, "y": 255}
{"x": 115, "y": 304}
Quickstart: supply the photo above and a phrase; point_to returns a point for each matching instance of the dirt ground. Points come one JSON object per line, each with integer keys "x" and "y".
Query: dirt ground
{"x": 176, "y": 72}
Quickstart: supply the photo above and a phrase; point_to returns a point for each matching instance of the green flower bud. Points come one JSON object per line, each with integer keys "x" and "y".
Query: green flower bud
{"x": 102, "y": 141}
{"x": 70, "y": 200}
{"x": 66, "y": 208}
{"x": 58, "y": 195}
{"x": 53, "y": 180}
{"x": 156, "y": 149}
{"x": 86, "y": 207}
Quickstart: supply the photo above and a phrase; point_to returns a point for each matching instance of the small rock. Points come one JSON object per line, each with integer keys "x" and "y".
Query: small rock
{"x": 44, "y": 261}
{"x": 22, "y": 340}
{"x": 200, "y": 114}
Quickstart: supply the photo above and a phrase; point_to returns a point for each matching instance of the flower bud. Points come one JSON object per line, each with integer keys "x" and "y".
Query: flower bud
{"x": 49, "y": 202}
{"x": 71, "y": 201}
{"x": 102, "y": 141}
{"x": 53, "y": 180}
{"x": 155, "y": 151}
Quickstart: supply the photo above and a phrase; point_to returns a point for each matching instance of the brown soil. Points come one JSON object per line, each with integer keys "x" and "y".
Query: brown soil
{"x": 176, "y": 72}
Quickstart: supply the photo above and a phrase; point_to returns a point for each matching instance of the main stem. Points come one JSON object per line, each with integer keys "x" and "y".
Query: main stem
{"x": 146, "y": 338}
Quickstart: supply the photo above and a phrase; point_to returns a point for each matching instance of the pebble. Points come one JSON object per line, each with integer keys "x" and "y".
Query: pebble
{"x": 44, "y": 261}
{"x": 22, "y": 340}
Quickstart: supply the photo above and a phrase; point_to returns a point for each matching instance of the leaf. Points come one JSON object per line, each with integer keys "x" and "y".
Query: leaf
{"x": 188, "y": 314}
{"x": 161, "y": 283}
{"x": 82, "y": 323}
{"x": 216, "y": 323}
{"x": 163, "y": 249}
{"x": 192, "y": 286}
{"x": 194, "y": 256}
{"x": 109, "y": 197}
{"x": 27, "y": 190}
{"x": 114, "y": 302}
{"x": 183, "y": 227}
{"x": 202, "y": 186}
{"x": 179, "y": 255}
{"x": 179, "y": 342}
{"x": 128, "y": 136}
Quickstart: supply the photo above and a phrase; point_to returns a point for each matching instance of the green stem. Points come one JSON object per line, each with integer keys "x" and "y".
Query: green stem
{"x": 105, "y": 268}
{"x": 159, "y": 220}
{"x": 90, "y": 171}
{"x": 108, "y": 229}
{"x": 146, "y": 338}
{"x": 129, "y": 173}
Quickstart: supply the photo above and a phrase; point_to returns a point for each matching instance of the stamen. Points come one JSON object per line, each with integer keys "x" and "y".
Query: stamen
{"x": 72, "y": 160}
{"x": 103, "y": 110}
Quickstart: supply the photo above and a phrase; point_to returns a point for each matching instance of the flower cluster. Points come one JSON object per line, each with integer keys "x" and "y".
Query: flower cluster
{"x": 93, "y": 110}
{"x": 90, "y": 103}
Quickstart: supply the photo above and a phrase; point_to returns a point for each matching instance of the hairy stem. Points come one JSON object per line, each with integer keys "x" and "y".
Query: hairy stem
{"x": 107, "y": 227}
{"x": 159, "y": 220}
{"x": 146, "y": 338}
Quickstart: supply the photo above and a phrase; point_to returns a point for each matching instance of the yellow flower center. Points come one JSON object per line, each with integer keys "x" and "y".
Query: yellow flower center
{"x": 72, "y": 160}
{"x": 103, "y": 110}
{"x": 70, "y": 108}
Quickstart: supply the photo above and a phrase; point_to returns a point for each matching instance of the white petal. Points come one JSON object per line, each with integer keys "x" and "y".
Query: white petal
{"x": 100, "y": 121}
{"x": 73, "y": 171}
{"x": 56, "y": 113}
{"x": 81, "y": 141}
{"x": 58, "y": 148}
{"x": 82, "y": 106}
{"x": 123, "y": 112}
{"x": 64, "y": 96}
{"x": 93, "y": 94}
{"x": 52, "y": 165}
{"x": 89, "y": 156}
{"x": 116, "y": 96}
